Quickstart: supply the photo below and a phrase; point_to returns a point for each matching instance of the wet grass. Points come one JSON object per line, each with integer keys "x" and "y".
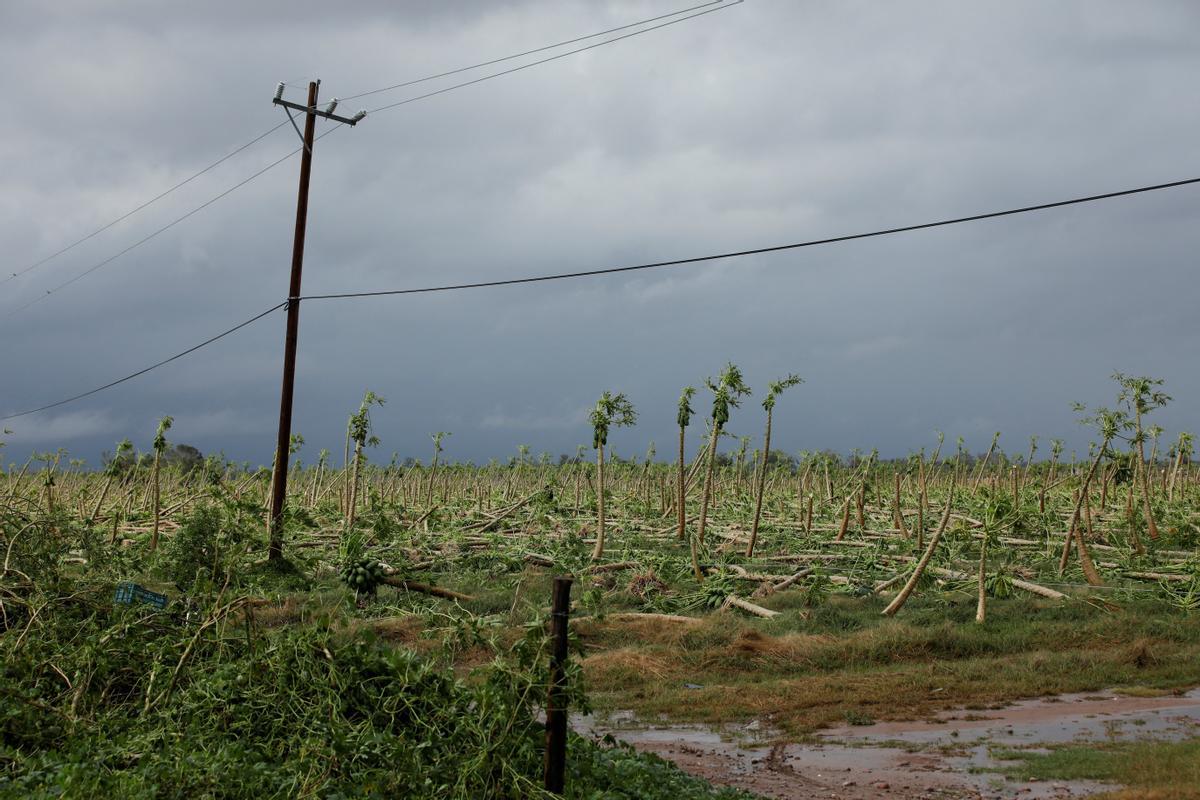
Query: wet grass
{"x": 844, "y": 661}
{"x": 1147, "y": 769}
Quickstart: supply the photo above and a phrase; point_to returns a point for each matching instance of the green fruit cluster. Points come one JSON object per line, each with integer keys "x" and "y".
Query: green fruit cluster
{"x": 363, "y": 575}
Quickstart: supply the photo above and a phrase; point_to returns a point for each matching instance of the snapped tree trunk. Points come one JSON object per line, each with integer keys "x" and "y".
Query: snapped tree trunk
{"x": 100, "y": 502}
{"x": 598, "y": 552}
{"x": 981, "y": 606}
{"x": 1073, "y": 531}
{"x": 900, "y": 526}
{"x": 154, "y": 534}
{"x": 758, "y": 489}
{"x": 919, "y": 570}
{"x": 432, "y": 472}
{"x": 1151, "y": 527}
{"x": 706, "y": 498}
{"x": 682, "y": 499}
{"x": 352, "y": 493}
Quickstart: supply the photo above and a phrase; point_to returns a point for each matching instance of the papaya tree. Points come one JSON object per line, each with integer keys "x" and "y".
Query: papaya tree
{"x": 433, "y": 465}
{"x": 773, "y": 391}
{"x": 160, "y": 447}
{"x": 728, "y": 390}
{"x": 359, "y": 428}
{"x": 1183, "y": 454}
{"x": 683, "y": 418}
{"x": 1140, "y": 396}
{"x": 610, "y": 410}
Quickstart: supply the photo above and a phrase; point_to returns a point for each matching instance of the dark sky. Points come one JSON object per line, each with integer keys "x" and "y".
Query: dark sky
{"x": 765, "y": 123}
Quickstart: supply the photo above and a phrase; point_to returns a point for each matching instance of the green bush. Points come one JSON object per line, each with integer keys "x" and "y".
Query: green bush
{"x": 119, "y": 701}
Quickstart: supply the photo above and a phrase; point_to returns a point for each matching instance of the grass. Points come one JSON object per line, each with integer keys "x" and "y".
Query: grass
{"x": 846, "y": 662}
{"x": 1148, "y": 770}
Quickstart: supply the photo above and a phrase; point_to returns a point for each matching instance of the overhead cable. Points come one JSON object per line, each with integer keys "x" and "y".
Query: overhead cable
{"x": 98, "y": 265}
{"x": 141, "y": 372}
{"x": 717, "y": 5}
{"x": 614, "y": 270}
{"x": 542, "y": 49}
{"x": 754, "y": 251}
{"x": 131, "y": 212}
{"x": 540, "y": 61}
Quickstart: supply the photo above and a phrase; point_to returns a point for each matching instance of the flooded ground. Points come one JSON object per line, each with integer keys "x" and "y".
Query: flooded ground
{"x": 952, "y": 755}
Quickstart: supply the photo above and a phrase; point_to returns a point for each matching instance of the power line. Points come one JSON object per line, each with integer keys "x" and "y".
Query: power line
{"x": 164, "y": 228}
{"x": 173, "y": 223}
{"x": 140, "y": 372}
{"x": 529, "y": 52}
{"x": 612, "y": 270}
{"x": 552, "y": 58}
{"x": 151, "y": 201}
{"x": 757, "y": 250}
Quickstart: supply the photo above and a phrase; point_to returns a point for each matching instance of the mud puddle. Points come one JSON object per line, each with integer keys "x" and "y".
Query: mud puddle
{"x": 948, "y": 756}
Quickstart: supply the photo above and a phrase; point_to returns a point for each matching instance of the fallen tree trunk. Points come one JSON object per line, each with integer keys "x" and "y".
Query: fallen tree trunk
{"x": 425, "y": 588}
{"x": 613, "y": 567}
{"x": 741, "y": 574}
{"x": 783, "y": 584}
{"x": 750, "y": 608}
{"x": 1032, "y": 588}
{"x": 637, "y": 616}
{"x": 1158, "y": 576}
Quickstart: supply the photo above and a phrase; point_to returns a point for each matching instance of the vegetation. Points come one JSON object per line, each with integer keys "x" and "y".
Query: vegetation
{"x": 398, "y": 648}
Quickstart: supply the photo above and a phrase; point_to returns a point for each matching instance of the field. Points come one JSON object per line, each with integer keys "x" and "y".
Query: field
{"x": 398, "y": 645}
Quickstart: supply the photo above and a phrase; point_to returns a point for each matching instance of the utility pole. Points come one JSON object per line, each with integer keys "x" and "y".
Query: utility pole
{"x": 283, "y": 442}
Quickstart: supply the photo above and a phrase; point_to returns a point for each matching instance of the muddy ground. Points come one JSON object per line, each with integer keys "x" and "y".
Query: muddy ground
{"x": 951, "y": 755}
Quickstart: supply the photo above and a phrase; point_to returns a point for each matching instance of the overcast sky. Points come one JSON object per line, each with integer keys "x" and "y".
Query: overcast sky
{"x": 768, "y": 122}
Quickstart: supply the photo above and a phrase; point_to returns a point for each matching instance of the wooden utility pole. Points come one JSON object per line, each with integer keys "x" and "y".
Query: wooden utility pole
{"x": 279, "y": 474}
{"x": 283, "y": 442}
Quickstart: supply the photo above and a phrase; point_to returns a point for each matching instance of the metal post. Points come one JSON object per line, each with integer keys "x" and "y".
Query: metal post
{"x": 282, "y": 445}
{"x": 556, "y": 710}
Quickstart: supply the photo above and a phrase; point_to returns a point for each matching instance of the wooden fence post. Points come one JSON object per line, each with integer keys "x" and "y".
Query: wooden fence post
{"x": 556, "y": 710}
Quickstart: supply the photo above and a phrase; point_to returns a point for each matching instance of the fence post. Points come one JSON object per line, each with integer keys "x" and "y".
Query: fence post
{"x": 556, "y": 709}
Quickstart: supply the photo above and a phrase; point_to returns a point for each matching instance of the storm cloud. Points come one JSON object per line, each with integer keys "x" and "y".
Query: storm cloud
{"x": 761, "y": 124}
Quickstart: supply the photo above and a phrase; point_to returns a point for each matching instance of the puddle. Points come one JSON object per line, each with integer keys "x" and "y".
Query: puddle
{"x": 948, "y": 756}
{"x": 1102, "y": 716}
